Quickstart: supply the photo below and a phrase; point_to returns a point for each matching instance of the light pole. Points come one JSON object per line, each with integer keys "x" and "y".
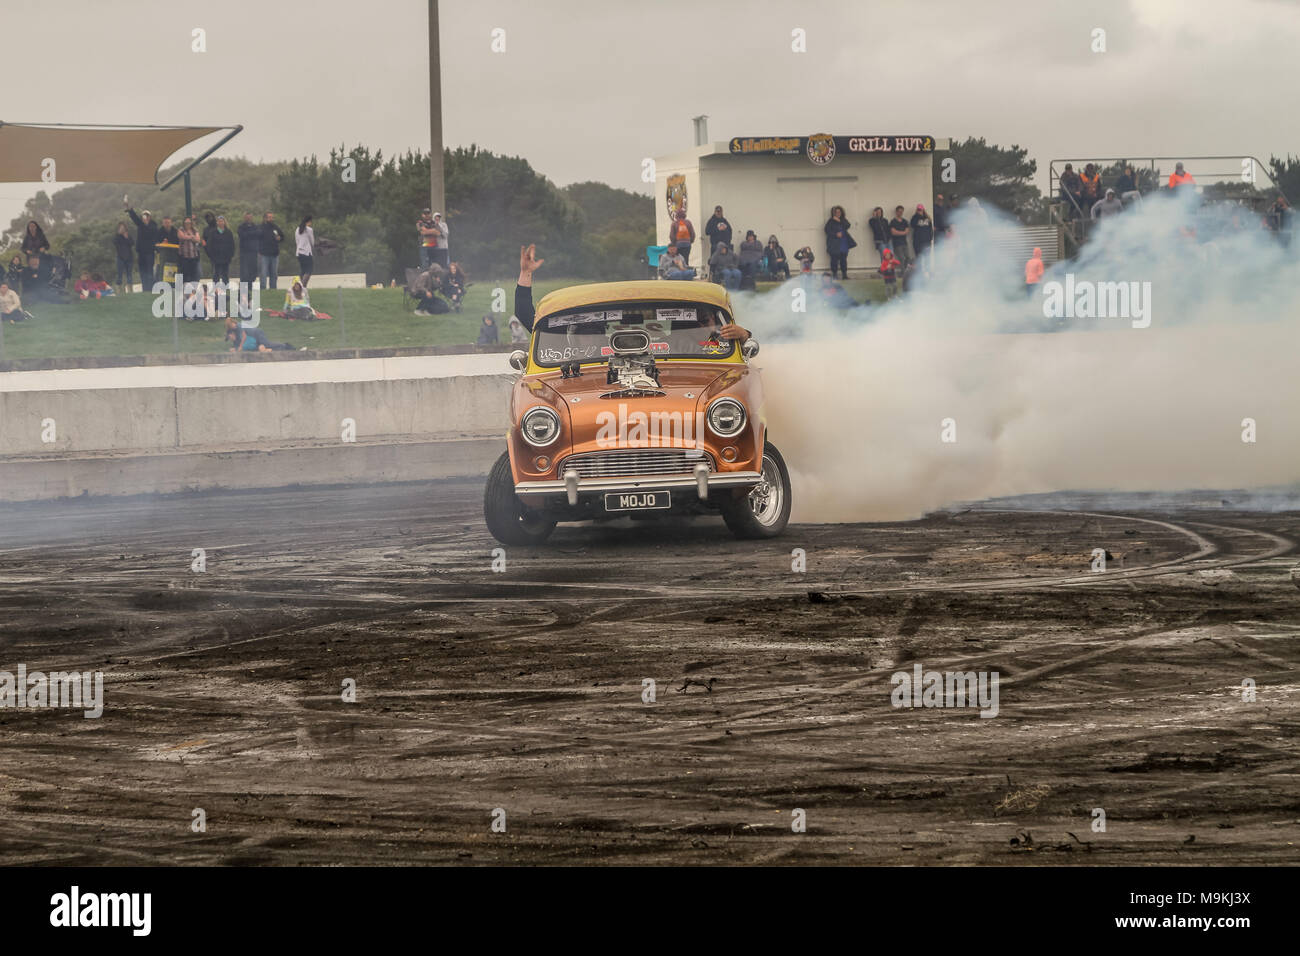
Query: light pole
{"x": 436, "y": 196}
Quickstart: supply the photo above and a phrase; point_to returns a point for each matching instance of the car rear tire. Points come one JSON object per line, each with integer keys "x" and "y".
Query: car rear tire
{"x": 765, "y": 511}
{"x": 507, "y": 518}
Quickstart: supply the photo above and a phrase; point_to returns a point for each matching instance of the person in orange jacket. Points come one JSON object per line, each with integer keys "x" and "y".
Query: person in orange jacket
{"x": 1034, "y": 270}
{"x": 1180, "y": 177}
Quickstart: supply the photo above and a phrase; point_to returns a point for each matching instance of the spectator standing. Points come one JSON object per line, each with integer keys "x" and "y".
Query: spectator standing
{"x": 922, "y": 232}
{"x": 718, "y": 230}
{"x": 190, "y": 243}
{"x": 34, "y": 241}
{"x": 726, "y": 264}
{"x": 751, "y": 254}
{"x": 1071, "y": 192}
{"x": 268, "y": 252}
{"x": 122, "y": 249}
{"x": 219, "y": 242}
{"x": 428, "y": 237}
{"x": 1090, "y": 183}
{"x": 305, "y": 246}
{"x": 1034, "y": 269}
{"x": 776, "y": 261}
{"x": 1126, "y": 186}
{"x": 442, "y": 251}
{"x": 1180, "y": 177}
{"x": 682, "y": 232}
{"x": 838, "y": 241}
{"x": 898, "y": 230}
{"x": 879, "y": 226}
{"x": 673, "y": 266}
{"x": 518, "y": 334}
{"x": 1109, "y": 206}
{"x": 11, "y": 306}
{"x": 941, "y": 227}
{"x": 805, "y": 258}
{"x": 488, "y": 333}
{"x": 1281, "y": 220}
{"x": 14, "y": 274}
{"x": 250, "y": 247}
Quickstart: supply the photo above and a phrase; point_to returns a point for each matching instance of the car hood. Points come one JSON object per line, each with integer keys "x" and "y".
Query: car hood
{"x": 687, "y": 388}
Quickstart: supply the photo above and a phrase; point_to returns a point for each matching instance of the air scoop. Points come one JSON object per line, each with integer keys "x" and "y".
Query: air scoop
{"x": 631, "y": 367}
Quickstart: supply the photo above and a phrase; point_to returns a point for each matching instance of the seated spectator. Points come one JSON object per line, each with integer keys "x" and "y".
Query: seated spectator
{"x": 726, "y": 266}
{"x": 751, "y": 254}
{"x": 518, "y": 334}
{"x": 34, "y": 279}
{"x": 488, "y": 333}
{"x": 11, "y": 307}
{"x": 889, "y": 271}
{"x": 86, "y": 287}
{"x": 776, "y": 261}
{"x": 833, "y": 294}
{"x": 297, "y": 304}
{"x": 251, "y": 340}
{"x": 453, "y": 285}
{"x": 1126, "y": 186}
{"x": 427, "y": 283}
{"x": 805, "y": 258}
{"x": 673, "y": 266}
{"x": 14, "y": 274}
{"x": 1109, "y": 206}
{"x": 198, "y": 305}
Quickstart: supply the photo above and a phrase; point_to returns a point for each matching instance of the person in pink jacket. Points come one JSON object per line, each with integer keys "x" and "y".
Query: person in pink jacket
{"x": 1034, "y": 270}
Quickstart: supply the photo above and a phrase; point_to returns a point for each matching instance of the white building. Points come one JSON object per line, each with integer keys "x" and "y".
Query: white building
{"x": 786, "y": 185}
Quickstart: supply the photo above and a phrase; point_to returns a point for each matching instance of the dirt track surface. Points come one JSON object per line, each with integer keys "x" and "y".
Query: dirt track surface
{"x": 522, "y": 690}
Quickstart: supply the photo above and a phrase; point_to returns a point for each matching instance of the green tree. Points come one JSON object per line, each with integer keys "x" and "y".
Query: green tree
{"x": 1286, "y": 174}
{"x": 1001, "y": 176}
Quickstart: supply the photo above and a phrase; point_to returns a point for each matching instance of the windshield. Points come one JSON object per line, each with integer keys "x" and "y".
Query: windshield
{"x": 675, "y": 330}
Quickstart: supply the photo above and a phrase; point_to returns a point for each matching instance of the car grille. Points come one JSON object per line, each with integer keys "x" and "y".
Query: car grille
{"x": 637, "y": 461}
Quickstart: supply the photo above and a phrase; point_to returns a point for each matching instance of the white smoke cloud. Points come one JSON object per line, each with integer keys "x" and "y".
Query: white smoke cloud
{"x": 856, "y": 399}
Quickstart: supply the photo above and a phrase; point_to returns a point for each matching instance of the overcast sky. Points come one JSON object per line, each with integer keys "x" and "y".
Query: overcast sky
{"x": 586, "y": 88}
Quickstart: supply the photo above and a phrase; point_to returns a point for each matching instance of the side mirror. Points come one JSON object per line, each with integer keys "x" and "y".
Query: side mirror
{"x": 519, "y": 360}
{"x": 750, "y": 348}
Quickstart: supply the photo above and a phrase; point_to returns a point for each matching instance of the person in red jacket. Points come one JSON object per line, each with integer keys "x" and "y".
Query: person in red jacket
{"x": 889, "y": 271}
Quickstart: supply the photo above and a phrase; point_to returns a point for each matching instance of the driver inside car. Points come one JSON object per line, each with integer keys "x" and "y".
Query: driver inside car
{"x": 526, "y": 312}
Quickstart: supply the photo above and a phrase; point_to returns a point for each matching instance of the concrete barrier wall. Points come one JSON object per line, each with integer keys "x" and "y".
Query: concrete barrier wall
{"x": 164, "y": 419}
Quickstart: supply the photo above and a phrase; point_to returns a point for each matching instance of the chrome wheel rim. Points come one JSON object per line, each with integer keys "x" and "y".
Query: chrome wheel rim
{"x": 768, "y": 496}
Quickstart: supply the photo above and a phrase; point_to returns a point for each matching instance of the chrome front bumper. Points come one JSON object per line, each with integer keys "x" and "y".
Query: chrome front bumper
{"x": 701, "y": 480}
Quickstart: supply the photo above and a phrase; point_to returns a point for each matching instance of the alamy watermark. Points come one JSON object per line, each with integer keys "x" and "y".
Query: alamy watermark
{"x": 76, "y": 690}
{"x": 923, "y": 688}
{"x": 1084, "y": 299}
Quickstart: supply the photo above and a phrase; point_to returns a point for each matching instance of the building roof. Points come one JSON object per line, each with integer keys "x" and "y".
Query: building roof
{"x": 644, "y": 290}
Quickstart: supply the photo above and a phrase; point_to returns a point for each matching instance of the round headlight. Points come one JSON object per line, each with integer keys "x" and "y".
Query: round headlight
{"x": 726, "y": 417}
{"x": 540, "y": 426}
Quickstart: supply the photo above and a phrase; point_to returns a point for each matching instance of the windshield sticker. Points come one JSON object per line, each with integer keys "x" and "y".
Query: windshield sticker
{"x": 568, "y": 353}
{"x": 677, "y": 315}
{"x": 584, "y": 318}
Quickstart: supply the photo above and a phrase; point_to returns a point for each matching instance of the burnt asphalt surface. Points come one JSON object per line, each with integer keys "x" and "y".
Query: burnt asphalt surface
{"x": 522, "y": 690}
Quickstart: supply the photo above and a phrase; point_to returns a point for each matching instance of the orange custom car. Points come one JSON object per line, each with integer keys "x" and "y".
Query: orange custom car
{"x": 631, "y": 402}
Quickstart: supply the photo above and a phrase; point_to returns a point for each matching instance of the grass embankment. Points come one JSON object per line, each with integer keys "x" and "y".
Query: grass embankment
{"x": 361, "y": 318}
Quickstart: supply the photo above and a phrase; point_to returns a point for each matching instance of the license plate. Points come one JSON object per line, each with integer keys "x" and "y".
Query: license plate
{"x": 637, "y": 501}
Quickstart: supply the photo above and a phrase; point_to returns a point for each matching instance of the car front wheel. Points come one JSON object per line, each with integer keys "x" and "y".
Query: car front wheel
{"x": 765, "y": 511}
{"x": 507, "y": 518}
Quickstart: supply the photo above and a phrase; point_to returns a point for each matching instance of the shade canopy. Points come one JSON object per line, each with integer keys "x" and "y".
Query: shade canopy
{"x": 91, "y": 154}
